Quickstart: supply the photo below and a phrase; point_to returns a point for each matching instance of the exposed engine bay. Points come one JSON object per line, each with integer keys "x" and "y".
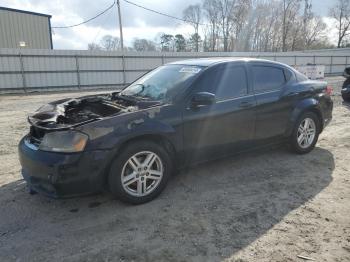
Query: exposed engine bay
{"x": 73, "y": 112}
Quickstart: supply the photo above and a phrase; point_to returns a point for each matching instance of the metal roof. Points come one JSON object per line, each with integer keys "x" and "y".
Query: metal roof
{"x": 23, "y": 11}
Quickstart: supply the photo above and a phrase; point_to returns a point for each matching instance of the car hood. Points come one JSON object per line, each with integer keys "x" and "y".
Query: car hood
{"x": 72, "y": 112}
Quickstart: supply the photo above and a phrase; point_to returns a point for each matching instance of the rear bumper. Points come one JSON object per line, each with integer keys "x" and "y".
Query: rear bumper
{"x": 63, "y": 175}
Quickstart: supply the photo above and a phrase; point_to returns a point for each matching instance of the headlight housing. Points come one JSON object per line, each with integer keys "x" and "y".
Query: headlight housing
{"x": 64, "y": 141}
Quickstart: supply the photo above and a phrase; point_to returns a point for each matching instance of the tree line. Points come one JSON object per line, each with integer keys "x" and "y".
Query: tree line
{"x": 248, "y": 25}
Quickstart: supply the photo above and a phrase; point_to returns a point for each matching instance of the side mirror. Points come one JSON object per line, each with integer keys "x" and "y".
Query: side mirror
{"x": 202, "y": 99}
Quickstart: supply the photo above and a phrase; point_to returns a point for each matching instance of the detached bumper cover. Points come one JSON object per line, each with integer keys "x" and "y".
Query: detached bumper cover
{"x": 63, "y": 175}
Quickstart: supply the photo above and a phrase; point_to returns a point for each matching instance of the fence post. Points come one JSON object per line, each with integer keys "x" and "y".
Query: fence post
{"x": 162, "y": 59}
{"x": 295, "y": 60}
{"x": 331, "y": 66}
{"x": 346, "y": 61}
{"x": 314, "y": 60}
{"x": 24, "y": 82}
{"x": 78, "y": 70}
{"x": 123, "y": 65}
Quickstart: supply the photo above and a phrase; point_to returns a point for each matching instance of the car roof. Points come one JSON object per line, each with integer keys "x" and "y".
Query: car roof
{"x": 210, "y": 61}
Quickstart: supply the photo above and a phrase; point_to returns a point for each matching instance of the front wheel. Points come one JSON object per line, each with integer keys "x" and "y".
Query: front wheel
{"x": 305, "y": 133}
{"x": 140, "y": 172}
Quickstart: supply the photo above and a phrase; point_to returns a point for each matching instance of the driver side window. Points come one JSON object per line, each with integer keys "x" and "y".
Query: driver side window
{"x": 225, "y": 82}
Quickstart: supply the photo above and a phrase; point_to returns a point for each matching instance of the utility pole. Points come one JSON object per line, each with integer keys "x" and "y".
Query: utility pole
{"x": 120, "y": 27}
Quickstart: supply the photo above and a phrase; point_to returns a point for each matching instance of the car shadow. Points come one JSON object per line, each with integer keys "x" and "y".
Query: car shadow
{"x": 207, "y": 213}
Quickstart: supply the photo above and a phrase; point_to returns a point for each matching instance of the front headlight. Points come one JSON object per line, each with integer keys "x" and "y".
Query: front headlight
{"x": 64, "y": 141}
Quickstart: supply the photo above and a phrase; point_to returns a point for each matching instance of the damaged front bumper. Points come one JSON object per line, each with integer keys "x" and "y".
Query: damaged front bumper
{"x": 63, "y": 174}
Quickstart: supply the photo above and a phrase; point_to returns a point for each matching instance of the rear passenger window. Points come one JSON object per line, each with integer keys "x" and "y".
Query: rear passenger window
{"x": 267, "y": 78}
{"x": 288, "y": 74}
{"x": 225, "y": 82}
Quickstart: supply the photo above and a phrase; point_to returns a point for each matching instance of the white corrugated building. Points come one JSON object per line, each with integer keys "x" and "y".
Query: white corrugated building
{"x": 24, "y": 29}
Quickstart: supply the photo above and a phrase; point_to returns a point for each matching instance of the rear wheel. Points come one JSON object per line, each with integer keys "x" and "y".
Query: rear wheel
{"x": 346, "y": 97}
{"x": 140, "y": 172}
{"x": 305, "y": 133}
{"x": 346, "y": 84}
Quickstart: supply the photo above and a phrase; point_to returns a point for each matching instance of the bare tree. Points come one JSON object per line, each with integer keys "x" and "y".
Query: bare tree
{"x": 296, "y": 35}
{"x": 193, "y": 15}
{"x": 107, "y": 43}
{"x": 289, "y": 13}
{"x": 262, "y": 25}
{"x": 261, "y": 29}
{"x": 211, "y": 11}
{"x": 313, "y": 27}
{"x": 341, "y": 13}
{"x": 239, "y": 17}
{"x": 226, "y": 8}
{"x": 110, "y": 43}
{"x": 94, "y": 46}
{"x": 315, "y": 32}
{"x": 307, "y": 16}
{"x": 144, "y": 45}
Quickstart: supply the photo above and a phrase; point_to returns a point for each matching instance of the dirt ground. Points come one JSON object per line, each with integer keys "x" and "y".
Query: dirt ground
{"x": 269, "y": 205}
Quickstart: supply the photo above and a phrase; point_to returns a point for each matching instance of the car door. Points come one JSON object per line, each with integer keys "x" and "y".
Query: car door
{"x": 228, "y": 124}
{"x": 273, "y": 108}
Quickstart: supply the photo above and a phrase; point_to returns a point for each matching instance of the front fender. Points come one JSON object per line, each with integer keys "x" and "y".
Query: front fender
{"x": 310, "y": 104}
{"x": 110, "y": 133}
{"x": 143, "y": 127}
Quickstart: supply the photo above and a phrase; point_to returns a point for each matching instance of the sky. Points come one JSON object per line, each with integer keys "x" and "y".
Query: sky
{"x": 137, "y": 23}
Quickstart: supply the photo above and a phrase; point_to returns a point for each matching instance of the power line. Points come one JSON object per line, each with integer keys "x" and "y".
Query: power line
{"x": 163, "y": 14}
{"x": 86, "y": 21}
{"x": 107, "y": 17}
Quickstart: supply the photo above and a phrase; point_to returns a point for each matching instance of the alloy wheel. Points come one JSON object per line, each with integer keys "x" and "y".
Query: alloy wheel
{"x": 142, "y": 173}
{"x": 306, "y": 133}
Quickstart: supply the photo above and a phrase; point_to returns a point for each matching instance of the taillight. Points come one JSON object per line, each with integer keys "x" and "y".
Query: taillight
{"x": 328, "y": 90}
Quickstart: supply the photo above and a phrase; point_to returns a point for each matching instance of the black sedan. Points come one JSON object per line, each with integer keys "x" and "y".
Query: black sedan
{"x": 345, "y": 91}
{"x": 177, "y": 115}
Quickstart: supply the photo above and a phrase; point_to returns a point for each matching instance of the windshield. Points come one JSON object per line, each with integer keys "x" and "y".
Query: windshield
{"x": 163, "y": 83}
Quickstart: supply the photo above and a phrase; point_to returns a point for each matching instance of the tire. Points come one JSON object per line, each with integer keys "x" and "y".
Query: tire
{"x": 307, "y": 144}
{"x": 346, "y": 97}
{"x": 142, "y": 183}
{"x": 346, "y": 83}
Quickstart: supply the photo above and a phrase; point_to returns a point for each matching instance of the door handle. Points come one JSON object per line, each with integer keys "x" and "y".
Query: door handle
{"x": 245, "y": 104}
